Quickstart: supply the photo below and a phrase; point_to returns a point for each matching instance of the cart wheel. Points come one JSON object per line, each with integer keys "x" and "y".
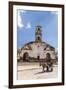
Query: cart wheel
{"x": 50, "y": 69}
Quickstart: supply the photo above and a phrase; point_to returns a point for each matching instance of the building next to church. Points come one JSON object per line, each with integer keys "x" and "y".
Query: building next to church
{"x": 36, "y": 49}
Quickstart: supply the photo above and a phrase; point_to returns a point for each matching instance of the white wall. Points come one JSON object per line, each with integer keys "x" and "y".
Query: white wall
{"x": 38, "y": 52}
{"x": 4, "y": 45}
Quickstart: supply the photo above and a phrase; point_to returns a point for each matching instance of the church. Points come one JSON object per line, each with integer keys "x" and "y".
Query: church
{"x": 37, "y": 49}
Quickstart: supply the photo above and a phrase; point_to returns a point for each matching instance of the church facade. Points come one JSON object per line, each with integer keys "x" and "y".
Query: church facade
{"x": 36, "y": 49}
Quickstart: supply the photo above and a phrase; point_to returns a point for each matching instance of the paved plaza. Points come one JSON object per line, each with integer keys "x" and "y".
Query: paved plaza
{"x": 32, "y": 70}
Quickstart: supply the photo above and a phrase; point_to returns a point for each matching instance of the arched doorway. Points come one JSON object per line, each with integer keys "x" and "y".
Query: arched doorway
{"x": 48, "y": 56}
{"x": 38, "y": 57}
{"x": 25, "y": 57}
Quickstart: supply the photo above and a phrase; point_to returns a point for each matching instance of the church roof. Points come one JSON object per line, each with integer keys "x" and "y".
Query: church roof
{"x": 48, "y": 47}
{"x": 27, "y": 46}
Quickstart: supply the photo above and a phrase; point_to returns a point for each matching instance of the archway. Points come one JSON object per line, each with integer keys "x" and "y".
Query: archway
{"x": 48, "y": 56}
{"x": 38, "y": 57}
{"x": 25, "y": 57}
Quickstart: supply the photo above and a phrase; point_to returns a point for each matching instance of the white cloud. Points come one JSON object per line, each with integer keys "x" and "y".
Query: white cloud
{"x": 54, "y": 12}
{"x": 20, "y": 20}
{"x": 28, "y": 25}
{"x": 22, "y": 11}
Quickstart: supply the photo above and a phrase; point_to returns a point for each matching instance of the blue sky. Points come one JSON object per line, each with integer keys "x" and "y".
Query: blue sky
{"x": 27, "y": 21}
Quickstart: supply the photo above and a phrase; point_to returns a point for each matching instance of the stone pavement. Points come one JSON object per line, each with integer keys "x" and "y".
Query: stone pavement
{"x": 29, "y": 71}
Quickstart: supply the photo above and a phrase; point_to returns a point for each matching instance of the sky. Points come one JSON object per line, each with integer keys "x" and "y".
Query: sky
{"x": 27, "y": 20}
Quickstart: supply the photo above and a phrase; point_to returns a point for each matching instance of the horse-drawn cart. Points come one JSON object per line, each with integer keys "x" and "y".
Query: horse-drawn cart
{"x": 47, "y": 66}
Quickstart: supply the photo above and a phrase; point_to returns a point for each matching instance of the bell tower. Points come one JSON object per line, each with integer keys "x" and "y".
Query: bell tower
{"x": 38, "y": 34}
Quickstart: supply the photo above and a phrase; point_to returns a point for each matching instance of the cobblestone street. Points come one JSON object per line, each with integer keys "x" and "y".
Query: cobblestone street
{"x": 28, "y": 71}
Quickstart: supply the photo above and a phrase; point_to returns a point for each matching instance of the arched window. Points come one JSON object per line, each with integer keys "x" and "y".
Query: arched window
{"x": 39, "y": 38}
